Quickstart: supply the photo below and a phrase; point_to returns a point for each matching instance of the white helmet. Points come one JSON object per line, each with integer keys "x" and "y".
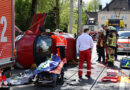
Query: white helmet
{"x": 111, "y": 28}
{"x": 57, "y": 30}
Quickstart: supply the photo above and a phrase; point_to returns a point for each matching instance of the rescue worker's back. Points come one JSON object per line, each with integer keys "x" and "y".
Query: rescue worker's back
{"x": 84, "y": 46}
{"x": 83, "y": 43}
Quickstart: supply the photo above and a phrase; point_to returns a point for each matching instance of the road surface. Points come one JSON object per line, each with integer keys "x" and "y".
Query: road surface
{"x": 73, "y": 83}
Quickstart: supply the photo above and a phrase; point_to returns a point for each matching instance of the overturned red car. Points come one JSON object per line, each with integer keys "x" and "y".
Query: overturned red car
{"x": 36, "y": 46}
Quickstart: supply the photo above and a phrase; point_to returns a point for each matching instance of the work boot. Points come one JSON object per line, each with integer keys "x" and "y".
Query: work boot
{"x": 103, "y": 62}
{"x": 98, "y": 61}
{"x": 106, "y": 63}
{"x": 110, "y": 64}
{"x": 87, "y": 76}
{"x": 80, "y": 77}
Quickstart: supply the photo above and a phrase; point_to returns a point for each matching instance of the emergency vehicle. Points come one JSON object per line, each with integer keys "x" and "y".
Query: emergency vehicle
{"x": 7, "y": 34}
{"x": 117, "y": 23}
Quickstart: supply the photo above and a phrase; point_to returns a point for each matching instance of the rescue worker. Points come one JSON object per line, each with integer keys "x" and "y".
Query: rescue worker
{"x": 106, "y": 35}
{"x": 100, "y": 48}
{"x": 116, "y": 46}
{"x": 111, "y": 45}
{"x": 84, "y": 46}
{"x": 61, "y": 45}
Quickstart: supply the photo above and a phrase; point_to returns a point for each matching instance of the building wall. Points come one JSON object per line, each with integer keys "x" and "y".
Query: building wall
{"x": 103, "y": 16}
{"x": 91, "y": 27}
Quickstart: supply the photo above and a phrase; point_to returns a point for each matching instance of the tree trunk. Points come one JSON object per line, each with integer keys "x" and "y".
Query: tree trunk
{"x": 34, "y": 7}
{"x": 57, "y": 14}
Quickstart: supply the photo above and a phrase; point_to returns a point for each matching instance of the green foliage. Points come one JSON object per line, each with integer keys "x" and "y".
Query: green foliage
{"x": 23, "y": 14}
{"x": 50, "y": 21}
{"x": 45, "y": 5}
{"x": 75, "y": 20}
{"x": 93, "y": 6}
{"x": 84, "y": 15}
{"x": 64, "y": 14}
{"x": 48, "y": 6}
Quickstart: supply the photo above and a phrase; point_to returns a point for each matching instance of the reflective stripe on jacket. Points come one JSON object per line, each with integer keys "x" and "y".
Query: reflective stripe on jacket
{"x": 60, "y": 40}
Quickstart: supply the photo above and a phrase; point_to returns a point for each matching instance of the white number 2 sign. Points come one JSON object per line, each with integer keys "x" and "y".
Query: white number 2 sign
{"x": 3, "y": 21}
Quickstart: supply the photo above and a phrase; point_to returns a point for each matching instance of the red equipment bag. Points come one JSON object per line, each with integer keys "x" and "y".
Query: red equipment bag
{"x": 111, "y": 79}
{"x": 112, "y": 76}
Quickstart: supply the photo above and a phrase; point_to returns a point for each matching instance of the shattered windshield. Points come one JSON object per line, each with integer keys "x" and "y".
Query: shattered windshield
{"x": 42, "y": 48}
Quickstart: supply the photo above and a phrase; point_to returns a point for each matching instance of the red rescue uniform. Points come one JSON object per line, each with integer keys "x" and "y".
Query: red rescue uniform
{"x": 84, "y": 46}
{"x": 61, "y": 45}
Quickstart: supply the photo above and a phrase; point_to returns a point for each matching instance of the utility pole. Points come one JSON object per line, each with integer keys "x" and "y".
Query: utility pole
{"x": 79, "y": 17}
{"x": 71, "y": 16}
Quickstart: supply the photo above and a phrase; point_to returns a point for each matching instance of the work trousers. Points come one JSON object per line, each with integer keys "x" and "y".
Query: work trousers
{"x": 111, "y": 54}
{"x": 101, "y": 54}
{"x": 116, "y": 52}
{"x": 106, "y": 54}
{"x": 61, "y": 53}
{"x": 85, "y": 56}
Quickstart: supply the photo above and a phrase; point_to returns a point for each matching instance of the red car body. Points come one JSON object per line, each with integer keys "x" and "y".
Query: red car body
{"x": 26, "y": 55}
{"x": 35, "y": 46}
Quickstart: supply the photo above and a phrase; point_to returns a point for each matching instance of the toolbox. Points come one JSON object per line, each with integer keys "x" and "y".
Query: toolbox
{"x": 125, "y": 63}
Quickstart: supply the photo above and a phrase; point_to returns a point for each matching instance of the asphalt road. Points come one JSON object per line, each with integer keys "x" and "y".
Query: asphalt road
{"x": 72, "y": 82}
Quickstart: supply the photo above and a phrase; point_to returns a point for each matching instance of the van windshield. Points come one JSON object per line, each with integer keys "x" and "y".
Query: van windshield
{"x": 124, "y": 35}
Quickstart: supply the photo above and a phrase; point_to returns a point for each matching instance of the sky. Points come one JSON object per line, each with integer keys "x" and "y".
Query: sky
{"x": 103, "y": 2}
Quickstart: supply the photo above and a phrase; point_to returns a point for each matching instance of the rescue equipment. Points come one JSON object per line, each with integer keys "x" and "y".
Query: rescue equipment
{"x": 125, "y": 63}
{"x": 112, "y": 76}
{"x": 48, "y": 65}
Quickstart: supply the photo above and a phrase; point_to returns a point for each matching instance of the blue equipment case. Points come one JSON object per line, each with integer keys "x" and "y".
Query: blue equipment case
{"x": 125, "y": 63}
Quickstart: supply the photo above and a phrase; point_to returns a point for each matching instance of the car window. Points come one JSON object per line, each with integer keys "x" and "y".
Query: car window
{"x": 42, "y": 49}
{"x": 124, "y": 35}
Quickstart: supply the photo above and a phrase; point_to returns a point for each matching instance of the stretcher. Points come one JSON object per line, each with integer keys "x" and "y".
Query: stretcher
{"x": 52, "y": 77}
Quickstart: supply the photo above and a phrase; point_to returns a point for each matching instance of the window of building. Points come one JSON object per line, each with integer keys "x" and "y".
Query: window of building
{"x": 103, "y": 17}
{"x": 91, "y": 28}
